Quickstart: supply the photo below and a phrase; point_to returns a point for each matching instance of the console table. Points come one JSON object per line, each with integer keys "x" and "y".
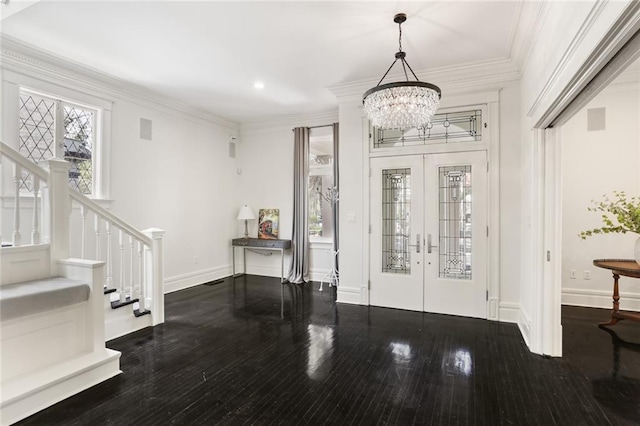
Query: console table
{"x": 625, "y": 268}
{"x": 259, "y": 244}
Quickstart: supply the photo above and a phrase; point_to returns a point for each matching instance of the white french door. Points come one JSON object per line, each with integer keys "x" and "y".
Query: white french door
{"x": 428, "y": 233}
{"x": 397, "y": 272}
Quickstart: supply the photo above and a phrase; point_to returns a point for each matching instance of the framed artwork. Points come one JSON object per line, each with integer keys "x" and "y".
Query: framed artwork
{"x": 268, "y": 222}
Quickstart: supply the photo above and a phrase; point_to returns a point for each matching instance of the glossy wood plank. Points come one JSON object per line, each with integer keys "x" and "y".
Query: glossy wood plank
{"x": 251, "y": 351}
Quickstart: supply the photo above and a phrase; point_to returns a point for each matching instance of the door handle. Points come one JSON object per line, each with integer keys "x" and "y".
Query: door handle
{"x": 429, "y": 245}
{"x": 417, "y": 244}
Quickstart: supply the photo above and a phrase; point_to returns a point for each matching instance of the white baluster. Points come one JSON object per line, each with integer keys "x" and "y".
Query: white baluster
{"x": 123, "y": 296}
{"x": 131, "y": 257}
{"x": 35, "y": 232}
{"x": 16, "y": 212}
{"x": 109, "y": 280}
{"x": 96, "y": 228}
{"x": 83, "y": 242}
{"x": 142, "y": 305}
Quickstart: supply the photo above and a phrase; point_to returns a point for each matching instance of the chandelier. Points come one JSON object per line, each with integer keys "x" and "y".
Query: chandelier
{"x": 404, "y": 104}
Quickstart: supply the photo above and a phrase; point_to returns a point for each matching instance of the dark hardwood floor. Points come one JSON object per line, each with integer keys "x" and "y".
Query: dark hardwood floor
{"x": 244, "y": 353}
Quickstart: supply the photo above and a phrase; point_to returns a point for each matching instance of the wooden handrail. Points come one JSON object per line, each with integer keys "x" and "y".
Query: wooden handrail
{"x": 38, "y": 171}
{"x": 23, "y": 161}
{"x": 107, "y": 215}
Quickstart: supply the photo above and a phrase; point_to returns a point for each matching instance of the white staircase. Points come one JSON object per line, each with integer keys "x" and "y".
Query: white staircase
{"x": 57, "y": 311}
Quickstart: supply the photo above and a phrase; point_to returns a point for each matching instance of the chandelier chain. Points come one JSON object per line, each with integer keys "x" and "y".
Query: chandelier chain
{"x": 400, "y": 36}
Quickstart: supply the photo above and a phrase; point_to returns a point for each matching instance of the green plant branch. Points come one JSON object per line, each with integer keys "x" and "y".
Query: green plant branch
{"x": 625, "y": 211}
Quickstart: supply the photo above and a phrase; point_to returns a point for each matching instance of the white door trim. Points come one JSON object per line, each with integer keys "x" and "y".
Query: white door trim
{"x": 491, "y": 144}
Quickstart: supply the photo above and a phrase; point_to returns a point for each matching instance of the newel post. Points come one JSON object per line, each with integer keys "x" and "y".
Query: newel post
{"x": 59, "y": 209}
{"x": 155, "y": 275}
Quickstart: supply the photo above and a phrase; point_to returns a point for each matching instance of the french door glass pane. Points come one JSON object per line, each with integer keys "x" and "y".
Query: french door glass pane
{"x": 455, "y": 222}
{"x": 396, "y": 221}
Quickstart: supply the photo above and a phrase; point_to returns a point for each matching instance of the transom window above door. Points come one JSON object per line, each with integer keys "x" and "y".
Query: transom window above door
{"x": 450, "y": 127}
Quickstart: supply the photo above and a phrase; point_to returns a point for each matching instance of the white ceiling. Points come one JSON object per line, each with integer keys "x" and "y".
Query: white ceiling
{"x": 208, "y": 54}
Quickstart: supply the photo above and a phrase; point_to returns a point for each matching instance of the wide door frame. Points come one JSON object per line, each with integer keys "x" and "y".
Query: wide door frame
{"x": 490, "y": 103}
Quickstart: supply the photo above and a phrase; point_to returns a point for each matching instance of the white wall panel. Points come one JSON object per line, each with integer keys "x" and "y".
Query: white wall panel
{"x": 596, "y": 163}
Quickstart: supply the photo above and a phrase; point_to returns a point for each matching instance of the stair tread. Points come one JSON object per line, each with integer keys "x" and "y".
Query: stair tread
{"x": 118, "y": 304}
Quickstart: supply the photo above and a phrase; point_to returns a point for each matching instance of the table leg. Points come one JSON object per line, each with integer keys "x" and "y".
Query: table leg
{"x": 616, "y": 302}
{"x": 281, "y": 266}
{"x": 233, "y": 262}
{"x": 244, "y": 260}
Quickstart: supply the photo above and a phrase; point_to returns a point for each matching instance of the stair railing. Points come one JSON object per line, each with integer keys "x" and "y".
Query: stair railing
{"x": 137, "y": 251}
{"x": 38, "y": 177}
{"x": 138, "y": 267}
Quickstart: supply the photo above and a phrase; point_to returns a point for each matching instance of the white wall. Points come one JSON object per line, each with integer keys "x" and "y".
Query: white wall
{"x": 510, "y": 202}
{"x": 265, "y": 159}
{"x": 182, "y": 181}
{"x": 353, "y": 213}
{"x": 596, "y": 163}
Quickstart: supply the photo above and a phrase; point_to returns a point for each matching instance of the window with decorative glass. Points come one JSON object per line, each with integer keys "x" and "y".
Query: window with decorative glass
{"x": 450, "y": 127}
{"x": 37, "y": 129}
{"x": 321, "y": 183}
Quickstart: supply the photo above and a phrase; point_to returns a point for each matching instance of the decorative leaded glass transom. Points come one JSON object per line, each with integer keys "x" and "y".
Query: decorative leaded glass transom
{"x": 454, "y": 189}
{"x": 396, "y": 221}
{"x": 462, "y": 126}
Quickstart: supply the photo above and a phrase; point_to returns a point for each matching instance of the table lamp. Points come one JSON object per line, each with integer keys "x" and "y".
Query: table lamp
{"x": 246, "y": 213}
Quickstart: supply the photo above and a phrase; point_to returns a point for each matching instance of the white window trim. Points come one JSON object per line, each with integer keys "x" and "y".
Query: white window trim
{"x": 12, "y": 84}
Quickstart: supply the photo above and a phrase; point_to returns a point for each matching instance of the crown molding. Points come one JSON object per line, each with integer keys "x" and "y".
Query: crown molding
{"x": 24, "y": 58}
{"x": 288, "y": 122}
{"x": 528, "y": 25}
{"x": 452, "y": 80}
{"x": 617, "y": 50}
{"x": 568, "y": 54}
{"x": 628, "y": 78}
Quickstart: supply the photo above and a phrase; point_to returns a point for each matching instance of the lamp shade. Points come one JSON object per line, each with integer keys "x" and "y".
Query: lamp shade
{"x": 246, "y": 213}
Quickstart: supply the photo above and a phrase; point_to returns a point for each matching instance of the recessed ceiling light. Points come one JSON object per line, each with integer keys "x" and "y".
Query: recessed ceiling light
{"x": 258, "y": 85}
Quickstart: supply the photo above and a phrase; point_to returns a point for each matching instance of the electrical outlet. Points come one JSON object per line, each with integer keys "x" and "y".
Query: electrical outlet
{"x": 587, "y": 274}
{"x": 572, "y": 274}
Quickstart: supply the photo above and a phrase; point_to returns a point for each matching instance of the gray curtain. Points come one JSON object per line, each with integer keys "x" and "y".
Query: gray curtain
{"x": 299, "y": 270}
{"x": 336, "y": 183}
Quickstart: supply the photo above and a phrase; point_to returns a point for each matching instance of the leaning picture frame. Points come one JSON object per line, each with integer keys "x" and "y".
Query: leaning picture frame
{"x": 268, "y": 224}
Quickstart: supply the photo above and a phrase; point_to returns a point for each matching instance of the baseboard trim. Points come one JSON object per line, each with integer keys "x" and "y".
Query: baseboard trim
{"x": 349, "y": 295}
{"x": 508, "y": 312}
{"x": 524, "y": 324}
{"x": 192, "y": 279}
{"x": 599, "y": 299}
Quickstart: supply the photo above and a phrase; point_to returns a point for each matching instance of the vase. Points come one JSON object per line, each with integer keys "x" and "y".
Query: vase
{"x": 636, "y": 251}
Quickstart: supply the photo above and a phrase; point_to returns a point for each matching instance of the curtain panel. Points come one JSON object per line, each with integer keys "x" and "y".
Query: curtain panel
{"x": 299, "y": 270}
